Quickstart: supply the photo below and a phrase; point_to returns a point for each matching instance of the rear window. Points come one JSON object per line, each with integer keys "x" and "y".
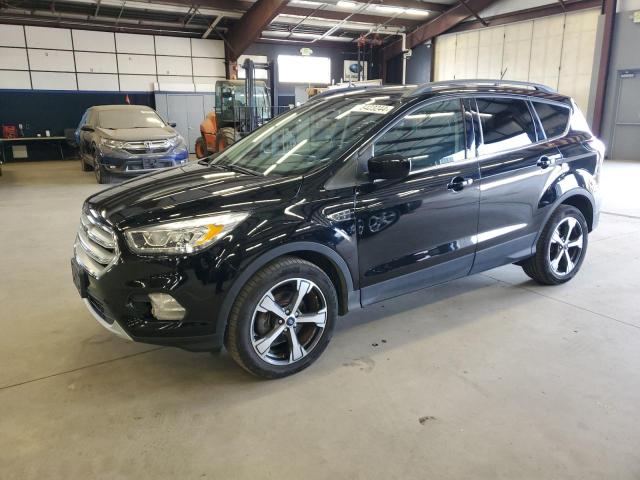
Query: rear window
{"x": 554, "y": 118}
{"x": 506, "y": 124}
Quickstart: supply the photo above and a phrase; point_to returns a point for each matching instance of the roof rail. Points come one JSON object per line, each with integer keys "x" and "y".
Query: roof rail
{"x": 429, "y": 87}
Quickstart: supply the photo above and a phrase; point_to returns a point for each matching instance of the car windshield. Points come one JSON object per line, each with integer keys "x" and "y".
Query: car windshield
{"x": 309, "y": 136}
{"x": 129, "y": 118}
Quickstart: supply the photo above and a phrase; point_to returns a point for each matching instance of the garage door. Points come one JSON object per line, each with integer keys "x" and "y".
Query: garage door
{"x": 556, "y": 51}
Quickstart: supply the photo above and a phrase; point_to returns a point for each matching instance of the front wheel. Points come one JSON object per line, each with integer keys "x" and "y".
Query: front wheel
{"x": 283, "y": 318}
{"x": 102, "y": 176}
{"x": 560, "y": 249}
{"x": 201, "y": 148}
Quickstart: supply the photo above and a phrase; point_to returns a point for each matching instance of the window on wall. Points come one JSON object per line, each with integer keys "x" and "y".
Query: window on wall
{"x": 299, "y": 69}
{"x": 506, "y": 124}
{"x": 432, "y": 135}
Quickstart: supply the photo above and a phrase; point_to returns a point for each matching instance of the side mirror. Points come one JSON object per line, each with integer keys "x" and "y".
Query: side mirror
{"x": 389, "y": 166}
{"x": 87, "y": 128}
{"x": 172, "y": 124}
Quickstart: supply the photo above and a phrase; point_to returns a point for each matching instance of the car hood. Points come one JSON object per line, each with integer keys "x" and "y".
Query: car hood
{"x": 192, "y": 189}
{"x": 137, "y": 134}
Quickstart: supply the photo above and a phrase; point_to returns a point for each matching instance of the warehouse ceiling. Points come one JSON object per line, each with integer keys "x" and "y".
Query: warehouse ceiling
{"x": 297, "y": 20}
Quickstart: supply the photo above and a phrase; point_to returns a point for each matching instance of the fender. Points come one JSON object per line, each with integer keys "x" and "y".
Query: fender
{"x": 353, "y": 297}
{"x": 578, "y": 191}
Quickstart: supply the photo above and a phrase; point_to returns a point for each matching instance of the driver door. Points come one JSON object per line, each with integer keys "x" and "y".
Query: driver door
{"x": 420, "y": 230}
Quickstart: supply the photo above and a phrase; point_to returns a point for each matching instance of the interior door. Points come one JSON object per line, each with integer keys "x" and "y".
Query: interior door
{"x": 627, "y": 124}
{"x": 420, "y": 230}
{"x": 195, "y": 116}
{"x": 177, "y": 112}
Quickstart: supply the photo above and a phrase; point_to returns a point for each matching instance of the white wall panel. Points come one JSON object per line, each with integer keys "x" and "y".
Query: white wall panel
{"x": 445, "y": 58}
{"x": 177, "y": 47}
{"x": 208, "y": 67}
{"x": 96, "y": 62}
{"x": 202, "y": 85}
{"x": 174, "y": 65}
{"x": 12, "y": 36}
{"x": 51, "y": 60}
{"x": 578, "y": 49}
{"x": 141, "y": 64}
{"x": 53, "y": 81}
{"x": 86, "y": 40}
{"x": 137, "y": 83}
{"x": 517, "y": 51}
{"x": 466, "y": 65}
{"x": 546, "y": 53}
{"x": 174, "y": 86}
{"x": 207, "y": 48}
{"x": 15, "y": 79}
{"x": 45, "y": 37}
{"x": 131, "y": 43}
{"x": 101, "y": 82}
{"x": 490, "y": 52}
{"x": 172, "y": 79}
{"x": 13, "y": 59}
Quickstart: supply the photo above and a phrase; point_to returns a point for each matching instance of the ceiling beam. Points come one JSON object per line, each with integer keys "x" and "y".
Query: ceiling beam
{"x": 529, "y": 14}
{"x": 437, "y": 26}
{"x": 248, "y": 29}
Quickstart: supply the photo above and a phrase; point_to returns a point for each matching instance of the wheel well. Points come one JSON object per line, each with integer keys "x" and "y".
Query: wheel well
{"x": 332, "y": 270}
{"x": 583, "y": 204}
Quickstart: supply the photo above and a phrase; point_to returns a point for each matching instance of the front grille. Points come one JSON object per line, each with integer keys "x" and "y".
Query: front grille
{"x": 153, "y": 146}
{"x": 150, "y": 164}
{"x": 96, "y": 248}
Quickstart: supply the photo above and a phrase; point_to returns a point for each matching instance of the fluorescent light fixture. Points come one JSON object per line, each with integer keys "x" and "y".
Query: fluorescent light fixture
{"x": 306, "y": 3}
{"x": 345, "y": 4}
{"x": 389, "y": 9}
{"x": 415, "y": 11}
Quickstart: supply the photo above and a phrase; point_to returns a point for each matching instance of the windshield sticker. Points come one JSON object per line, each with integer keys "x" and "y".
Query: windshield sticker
{"x": 372, "y": 108}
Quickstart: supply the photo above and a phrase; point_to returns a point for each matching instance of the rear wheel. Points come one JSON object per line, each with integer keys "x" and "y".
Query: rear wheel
{"x": 83, "y": 164}
{"x": 283, "y": 318}
{"x": 225, "y": 138}
{"x": 201, "y": 148}
{"x": 560, "y": 249}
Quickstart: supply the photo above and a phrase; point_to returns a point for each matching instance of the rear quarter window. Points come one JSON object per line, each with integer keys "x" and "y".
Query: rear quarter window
{"x": 554, "y": 118}
{"x": 506, "y": 124}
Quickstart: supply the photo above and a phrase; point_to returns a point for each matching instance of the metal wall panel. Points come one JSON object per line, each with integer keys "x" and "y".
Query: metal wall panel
{"x": 13, "y": 59}
{"x": 45, "y": 37}
{"x": 92, "y": 62}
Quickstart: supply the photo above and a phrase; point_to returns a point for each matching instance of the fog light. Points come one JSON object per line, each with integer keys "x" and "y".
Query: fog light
{"x": 165, "y": 307}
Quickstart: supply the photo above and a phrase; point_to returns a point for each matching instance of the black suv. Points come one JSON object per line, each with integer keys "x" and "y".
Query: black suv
{"x": 354, "y": 197}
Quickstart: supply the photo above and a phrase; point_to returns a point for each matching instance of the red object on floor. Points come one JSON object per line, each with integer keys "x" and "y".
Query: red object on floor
{"x": 9, "y": 131}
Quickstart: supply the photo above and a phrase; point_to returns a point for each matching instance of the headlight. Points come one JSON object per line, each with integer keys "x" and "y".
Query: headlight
{"x": 112, "y": 143}
{"x": 175, "y": 141}
{"x": 182, "y": 237}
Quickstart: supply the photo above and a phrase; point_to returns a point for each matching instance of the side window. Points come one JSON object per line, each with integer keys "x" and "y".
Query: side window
{"x": 506, "y": 124}
{"x": 554, "y": 118}
{"x": 432, "y": 135}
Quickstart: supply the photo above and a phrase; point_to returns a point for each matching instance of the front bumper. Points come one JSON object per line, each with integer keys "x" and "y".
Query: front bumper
{"x": 121, "y": 162}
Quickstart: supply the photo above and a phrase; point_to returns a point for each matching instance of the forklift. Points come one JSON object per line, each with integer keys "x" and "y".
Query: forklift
{"x": 241, "y": 106}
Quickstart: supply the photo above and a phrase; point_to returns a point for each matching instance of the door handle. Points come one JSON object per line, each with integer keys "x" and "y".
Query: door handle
{"x": 546, "y": 162}
{"x": 458, "y": 183}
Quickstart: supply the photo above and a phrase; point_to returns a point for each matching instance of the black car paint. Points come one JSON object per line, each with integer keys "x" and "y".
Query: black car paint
{"x": 321, "y": 216}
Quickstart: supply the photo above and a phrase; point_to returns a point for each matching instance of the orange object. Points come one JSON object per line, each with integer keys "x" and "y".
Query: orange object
{"x": 9, "y": 131}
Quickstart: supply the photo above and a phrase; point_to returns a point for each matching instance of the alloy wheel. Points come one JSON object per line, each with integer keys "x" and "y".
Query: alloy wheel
{"x": 565, "y": 247}
{"x": 288, "y": 321}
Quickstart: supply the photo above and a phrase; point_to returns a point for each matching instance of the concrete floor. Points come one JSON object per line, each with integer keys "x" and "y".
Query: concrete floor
{"x": 487, "y": 377}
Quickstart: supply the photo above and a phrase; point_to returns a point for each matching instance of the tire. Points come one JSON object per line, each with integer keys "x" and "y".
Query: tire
{"x": 83, "y": 164}
{"x": 201, "y": 148}
{"x": 226, "y": 137}
{"x": 260, "y": 340}
{"x": 561, "y": 248}
{"x": 102, "y": 176}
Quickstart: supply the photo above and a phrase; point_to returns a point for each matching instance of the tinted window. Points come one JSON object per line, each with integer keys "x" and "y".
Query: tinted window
{"x": 554, "y": 118}
{"x": 432, "y": 135}
{"x": 506, "y": 124}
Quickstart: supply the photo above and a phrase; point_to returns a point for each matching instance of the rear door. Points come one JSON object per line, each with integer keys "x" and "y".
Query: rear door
{"x": 516, "y": 162}
{"x": 420, "y": 230}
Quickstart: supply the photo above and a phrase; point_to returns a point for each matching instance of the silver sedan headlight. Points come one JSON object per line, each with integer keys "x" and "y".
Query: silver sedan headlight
{"x": 185, "y": 236}
{"x": 117, "y": 144}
